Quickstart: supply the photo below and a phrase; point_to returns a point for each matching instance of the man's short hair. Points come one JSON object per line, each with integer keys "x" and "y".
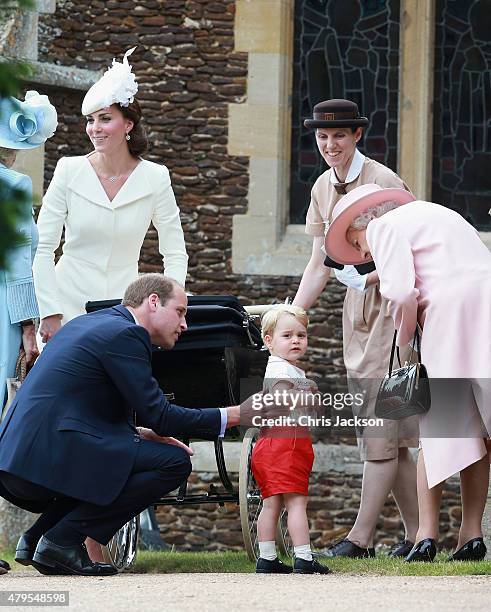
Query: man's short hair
{"x": 145, "y": 285}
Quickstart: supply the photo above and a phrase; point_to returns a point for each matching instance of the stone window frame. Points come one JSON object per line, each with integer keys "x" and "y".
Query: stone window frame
{"x": 263, "y": 242}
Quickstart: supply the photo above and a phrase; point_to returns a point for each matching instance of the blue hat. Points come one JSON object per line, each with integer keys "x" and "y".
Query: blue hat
{"x": 26, "y": 125}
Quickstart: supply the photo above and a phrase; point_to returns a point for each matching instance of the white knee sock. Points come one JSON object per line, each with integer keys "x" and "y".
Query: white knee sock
{"x": 303, "y": 552}
{"x": 267, "y": 550}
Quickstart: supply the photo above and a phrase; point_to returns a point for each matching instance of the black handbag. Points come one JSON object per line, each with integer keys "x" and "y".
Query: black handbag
{"x": 404, "y": 391}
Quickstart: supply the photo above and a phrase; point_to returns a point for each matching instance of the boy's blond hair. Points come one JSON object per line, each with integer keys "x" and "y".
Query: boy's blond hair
{"x": 271, "y": 317}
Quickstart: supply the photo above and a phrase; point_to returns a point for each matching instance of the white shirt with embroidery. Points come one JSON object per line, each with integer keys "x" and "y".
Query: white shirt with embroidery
{"x": 279, "y": 369}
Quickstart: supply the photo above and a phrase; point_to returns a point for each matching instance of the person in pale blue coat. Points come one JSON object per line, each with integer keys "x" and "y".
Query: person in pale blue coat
{"x": 18, "y": 306}
{"x": 23, "y": 125}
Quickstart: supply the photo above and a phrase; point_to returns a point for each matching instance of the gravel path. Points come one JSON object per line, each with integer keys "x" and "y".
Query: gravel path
{"x": 241, "y": 592}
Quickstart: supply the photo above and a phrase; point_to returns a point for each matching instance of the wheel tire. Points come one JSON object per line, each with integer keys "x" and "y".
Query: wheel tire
{"x": 250, "y": 502}
{"x": 283, "y": 540}
{"x": 121, "y": 550}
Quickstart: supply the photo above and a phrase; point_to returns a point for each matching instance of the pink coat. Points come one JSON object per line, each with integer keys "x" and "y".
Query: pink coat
{"x": 435, "y": 270}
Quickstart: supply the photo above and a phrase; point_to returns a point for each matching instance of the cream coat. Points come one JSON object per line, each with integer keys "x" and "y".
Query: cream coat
{"x": 103, "y": 238}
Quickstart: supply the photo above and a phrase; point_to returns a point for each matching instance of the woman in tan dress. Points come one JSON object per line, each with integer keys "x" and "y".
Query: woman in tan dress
{"x": 367, "y": 326}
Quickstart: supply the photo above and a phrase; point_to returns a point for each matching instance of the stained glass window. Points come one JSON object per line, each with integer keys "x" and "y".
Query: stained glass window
{"x": 462, "y": 105}
{"x": 343, "y": 49}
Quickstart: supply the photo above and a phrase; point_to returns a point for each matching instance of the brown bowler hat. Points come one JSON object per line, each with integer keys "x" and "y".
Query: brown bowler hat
{"x": 336, "y": 113}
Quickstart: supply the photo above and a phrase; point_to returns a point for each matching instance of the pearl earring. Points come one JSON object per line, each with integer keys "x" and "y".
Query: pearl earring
{"x": 128, "y": 137}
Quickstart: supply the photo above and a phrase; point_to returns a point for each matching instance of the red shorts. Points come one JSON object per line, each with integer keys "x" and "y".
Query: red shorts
{"x": 282, "y": 465}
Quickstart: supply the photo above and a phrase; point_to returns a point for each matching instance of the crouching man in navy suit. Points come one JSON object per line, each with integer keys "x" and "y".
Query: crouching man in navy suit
{"x": 68, "y": 445}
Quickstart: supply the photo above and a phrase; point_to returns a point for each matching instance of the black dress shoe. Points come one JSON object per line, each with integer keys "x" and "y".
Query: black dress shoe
{"x": 4, "y": 567}
{"x": 264, "y": 566}
{"x": 423, "y": 551}
{"x": 401, "y": 549}
{"x": 473, "y": 550}
{"x": 70, "y": 559}
{"x": 26, "y": 547}
{"x": 301, "y": 566}
{"x": 346, "y": 548}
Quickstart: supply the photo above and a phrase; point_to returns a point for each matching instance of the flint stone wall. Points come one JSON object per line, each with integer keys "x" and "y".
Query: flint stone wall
{"x": 188, "y": 73}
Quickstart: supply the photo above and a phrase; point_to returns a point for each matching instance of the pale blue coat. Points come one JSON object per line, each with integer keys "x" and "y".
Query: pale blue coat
{"x": 17, "y": 297}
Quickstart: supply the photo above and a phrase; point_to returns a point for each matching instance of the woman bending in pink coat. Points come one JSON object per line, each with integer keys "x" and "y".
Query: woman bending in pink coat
{"x": 436, "y": 272}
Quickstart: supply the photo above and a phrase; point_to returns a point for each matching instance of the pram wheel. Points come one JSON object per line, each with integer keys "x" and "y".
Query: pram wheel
{"x": 283, "y": 540}
{"x": 120, "y": 552}
{"x": 250, "y": 502}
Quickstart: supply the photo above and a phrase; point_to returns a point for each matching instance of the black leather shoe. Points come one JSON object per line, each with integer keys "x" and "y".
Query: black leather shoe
{"x": 473, "y": 550}
{"x": 70, "y": 559}
{"x": 4, "y": 567}
{"x": 346, "y": 548}
{"x": 301, "y": 566}
{"x": 26, "y": 547}
{"x": 423, "y": 551}
{"x": 401, "y": 549}
{"x": 264, "y": 566}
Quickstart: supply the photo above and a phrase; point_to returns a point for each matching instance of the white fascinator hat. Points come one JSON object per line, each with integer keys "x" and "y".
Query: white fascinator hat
{"x": 116, "y": 86}
{"x": 28, "y": 124}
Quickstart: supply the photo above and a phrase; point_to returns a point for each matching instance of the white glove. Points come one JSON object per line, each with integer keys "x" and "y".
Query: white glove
{"x": 350, "y": 277}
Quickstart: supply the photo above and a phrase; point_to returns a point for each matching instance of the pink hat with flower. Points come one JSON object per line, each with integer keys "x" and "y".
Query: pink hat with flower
{"x": 351, "y": 206}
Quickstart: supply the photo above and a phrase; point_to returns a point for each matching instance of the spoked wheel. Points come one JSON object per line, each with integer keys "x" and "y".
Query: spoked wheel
{"x": 283, "y": 540}
{"x": 250, "y": 502}
{"x": 120, "y": 552}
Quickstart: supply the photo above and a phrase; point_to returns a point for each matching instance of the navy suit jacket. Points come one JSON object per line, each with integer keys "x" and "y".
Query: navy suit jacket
{"x": 70, "y": 427}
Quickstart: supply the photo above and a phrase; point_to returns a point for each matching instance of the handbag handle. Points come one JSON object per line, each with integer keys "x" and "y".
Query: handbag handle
{"x": 392, "y": 350}
{"x": 415, "y": 344}
{"x": 21, "y": 366}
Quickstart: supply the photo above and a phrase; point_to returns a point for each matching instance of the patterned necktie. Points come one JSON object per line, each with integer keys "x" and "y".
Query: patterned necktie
{"x": 340, "y": 188}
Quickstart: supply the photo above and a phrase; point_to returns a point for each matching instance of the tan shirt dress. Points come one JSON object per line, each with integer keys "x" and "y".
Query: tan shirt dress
{"x": 368, "y": 328}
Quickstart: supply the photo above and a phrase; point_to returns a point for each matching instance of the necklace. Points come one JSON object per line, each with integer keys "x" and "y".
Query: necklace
{"x": 113, "y": 179}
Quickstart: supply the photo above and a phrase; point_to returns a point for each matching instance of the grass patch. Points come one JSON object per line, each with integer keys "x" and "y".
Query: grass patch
{"x": 237, "y": 562}
{"x": 8, "y": 555}
{"x": 385, "y": 566}
{"x": 149, "y": 562}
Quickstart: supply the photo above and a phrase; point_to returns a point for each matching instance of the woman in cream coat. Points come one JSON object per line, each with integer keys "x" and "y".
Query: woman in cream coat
{"x": 103, "y": 237}
{"x": 105, "y": 202}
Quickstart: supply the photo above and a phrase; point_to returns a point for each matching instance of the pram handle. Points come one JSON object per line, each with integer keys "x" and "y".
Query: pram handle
{"x": 257, "y": 310}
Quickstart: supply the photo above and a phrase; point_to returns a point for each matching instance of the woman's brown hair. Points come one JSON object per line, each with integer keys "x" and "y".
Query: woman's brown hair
{"x": 138, "y": 142}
